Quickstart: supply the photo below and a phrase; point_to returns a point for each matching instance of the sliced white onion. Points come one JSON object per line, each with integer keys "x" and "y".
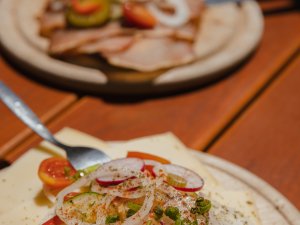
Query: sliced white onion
{"x": 128, "y": 168}
{"x": 83, "y": 181}
{"x": 180, "y": 17}
{"x": 140, "y": 215}
{"x": 193, "y": 181}
{"x": 49, "y": 193}
{"x": 105, "y": 201}
{"x": 123, "y": 190}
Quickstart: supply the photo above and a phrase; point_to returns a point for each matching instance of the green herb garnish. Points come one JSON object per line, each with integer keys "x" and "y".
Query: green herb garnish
{"x": 158, "y": 211}
{"x": 67, "y": 171}
{"x": 84, "y": 172}
{"x": 130, "y": 213}
{"x": 133, "y": 208}
{"x": 202, "y": 206}
{"x": 112, "y": 219}
{"x": 172, "y": 212}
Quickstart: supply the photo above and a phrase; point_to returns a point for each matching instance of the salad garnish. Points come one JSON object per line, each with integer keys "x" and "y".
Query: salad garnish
{"x": 125, "y": 191}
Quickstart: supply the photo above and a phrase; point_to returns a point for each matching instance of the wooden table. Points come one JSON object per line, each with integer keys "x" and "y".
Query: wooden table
{"x": 251, "y": 117}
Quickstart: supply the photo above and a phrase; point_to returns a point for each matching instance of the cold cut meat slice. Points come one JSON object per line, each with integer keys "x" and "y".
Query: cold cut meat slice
{"x": 113, "y": 44}
{"x": 51, "y": 21}
{"x": 67, "y": 40}
{"x": 148, "y": 54}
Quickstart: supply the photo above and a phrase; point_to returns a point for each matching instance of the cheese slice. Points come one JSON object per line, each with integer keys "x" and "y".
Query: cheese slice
{"x": 22, "y": 201}
{"x": 231, "y": 207}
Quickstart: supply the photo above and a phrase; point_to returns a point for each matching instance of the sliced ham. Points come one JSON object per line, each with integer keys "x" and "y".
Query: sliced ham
{"x": 67, "y": 40}
{"x": 112, "y": 44}
{"x": 149, "y": 54}
{"x": 187, "y": 32}
{"x": 157, "y": 32}
{"x": 51, "y": 21}
{"x": 196, "y": 8}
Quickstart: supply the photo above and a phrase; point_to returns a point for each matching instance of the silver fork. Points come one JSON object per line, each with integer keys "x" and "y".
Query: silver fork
{"x": 80, "y": 157}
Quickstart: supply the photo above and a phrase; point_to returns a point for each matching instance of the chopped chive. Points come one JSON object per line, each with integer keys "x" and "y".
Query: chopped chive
{"x": 158, "y": 211}
{"x": 202, "y": 206}
{"x": 133, "y": 206}
{"x": 172, "y": 212}
{"x": 112, "y": 219}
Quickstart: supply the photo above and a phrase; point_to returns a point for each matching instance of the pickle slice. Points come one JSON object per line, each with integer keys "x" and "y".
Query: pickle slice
{"x": 89, "y": 20}
{"x": 175, "y": 180}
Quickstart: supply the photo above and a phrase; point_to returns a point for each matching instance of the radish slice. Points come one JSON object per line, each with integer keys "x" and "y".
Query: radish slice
{"x": 193, "y": 181}
{"x": 150, "y": 164}
{"x": 120, "y": 170}
{"x": 128, "y": 189}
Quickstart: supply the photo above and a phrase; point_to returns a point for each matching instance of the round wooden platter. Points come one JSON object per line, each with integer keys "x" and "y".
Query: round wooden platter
{"x": 228, "y": 34}
{"x": 273, "y": 208}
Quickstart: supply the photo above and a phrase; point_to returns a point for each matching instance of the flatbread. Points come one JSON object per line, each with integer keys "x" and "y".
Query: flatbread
{"x": 22, "y": 201}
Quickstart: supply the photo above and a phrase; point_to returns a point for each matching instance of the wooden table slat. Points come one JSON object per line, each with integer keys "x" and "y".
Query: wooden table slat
{"x": 265, "y": 140}
{"x": 46, "y": 102}
{"x": 196, "y": 116}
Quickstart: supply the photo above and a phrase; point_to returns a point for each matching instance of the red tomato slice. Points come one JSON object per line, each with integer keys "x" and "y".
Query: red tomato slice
{"x": 138, "y": 15}
{"x": 85, "y": 7}
{"x": 142, "y": 155}
{"x": 56, "y": 172}
{"x": 54, "y": 221}
{"x": 150, "y": 169}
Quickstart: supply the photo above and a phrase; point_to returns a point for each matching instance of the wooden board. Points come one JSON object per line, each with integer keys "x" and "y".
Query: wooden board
{"x": 18, "y": 34}
{"x": 273, "y": 208}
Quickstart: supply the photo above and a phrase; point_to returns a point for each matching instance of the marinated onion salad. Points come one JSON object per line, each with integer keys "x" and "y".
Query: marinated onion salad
{"x": 133, "y": 191}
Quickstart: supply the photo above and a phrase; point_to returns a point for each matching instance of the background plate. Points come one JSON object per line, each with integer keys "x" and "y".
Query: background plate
{"x": 19, "y": 37}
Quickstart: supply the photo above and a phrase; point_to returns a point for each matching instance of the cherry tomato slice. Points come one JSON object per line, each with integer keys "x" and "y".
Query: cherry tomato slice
{"x": 150, "y": 169}
{"x": 142, "y": 155}
{"x": 138, "y": 15}
{"x": 54, "y": 221}
{"x": 86, "y": 6}
{"x": 56, "y": 172}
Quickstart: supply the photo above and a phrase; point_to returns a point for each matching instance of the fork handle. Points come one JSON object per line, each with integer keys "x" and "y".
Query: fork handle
{"x": 24, "y": 113}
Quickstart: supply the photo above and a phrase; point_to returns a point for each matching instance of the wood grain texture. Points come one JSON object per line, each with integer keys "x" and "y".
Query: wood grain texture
{"x": 46, "y": 102}
{"x": 277, "y": 6}
{"x": 197, "y": 116}
{"x": 265, "y": 140}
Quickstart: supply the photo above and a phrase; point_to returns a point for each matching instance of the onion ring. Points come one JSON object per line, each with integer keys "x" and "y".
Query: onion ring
{"x": 179, "y": 18}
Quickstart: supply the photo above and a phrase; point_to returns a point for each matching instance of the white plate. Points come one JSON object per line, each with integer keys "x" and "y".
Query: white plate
{"x": 273, "y": 207}
{"x": 19, "y": 37}
{"x": 22, "y": 199}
